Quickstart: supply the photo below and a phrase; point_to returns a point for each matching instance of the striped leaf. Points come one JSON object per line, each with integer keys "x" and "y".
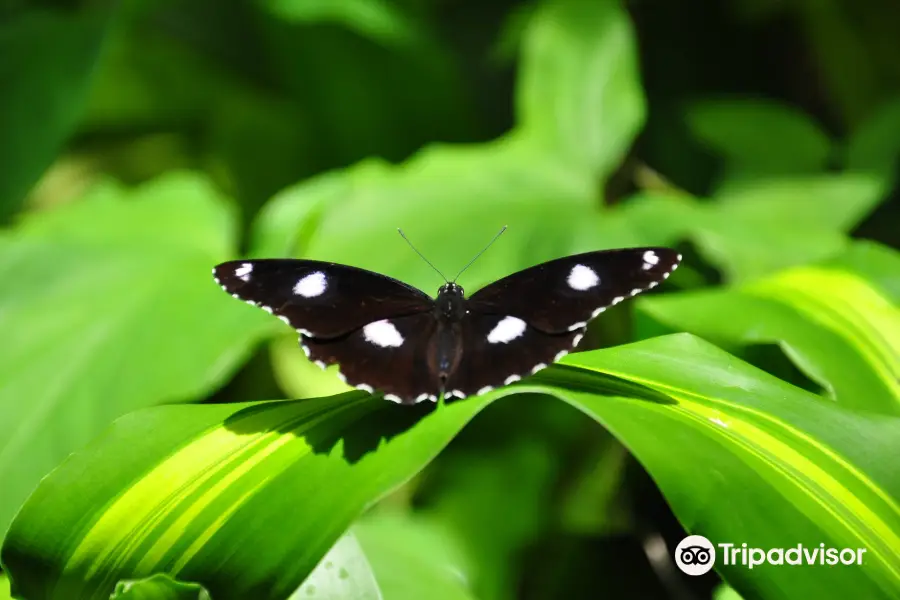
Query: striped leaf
{"x": 246, "y": 499}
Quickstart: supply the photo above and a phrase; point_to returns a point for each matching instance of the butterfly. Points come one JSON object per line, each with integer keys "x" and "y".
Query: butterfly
{"x": 391, "y": 337}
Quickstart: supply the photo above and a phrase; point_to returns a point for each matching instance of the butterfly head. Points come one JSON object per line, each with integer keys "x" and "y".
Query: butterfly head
{"x": 451, "y": 289}
{"x": 451, "y": 301}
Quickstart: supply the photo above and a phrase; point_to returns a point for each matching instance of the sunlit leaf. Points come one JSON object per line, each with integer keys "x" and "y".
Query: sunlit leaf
{"x": 379, "y": 19}
{"x": 759, "y": 228}
{"x": 877, "y": 263}
{"x": 158, "y": 587}
{"x": 246, "y": 499}
{"x": 579, "y": 92}
{"x": 837, "y": 329}
{"x": 114, "y": 308}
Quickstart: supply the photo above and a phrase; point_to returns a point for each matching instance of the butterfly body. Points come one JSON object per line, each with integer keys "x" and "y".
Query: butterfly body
{"x": 386, "y": 335}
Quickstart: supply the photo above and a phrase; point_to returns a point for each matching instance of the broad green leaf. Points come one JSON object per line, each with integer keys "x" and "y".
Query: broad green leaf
{"x": 745, "y": 458}
{"x": 579, "y": 93}
{"x": 46, "y": 62}
{"x": 246, "y": 499}
{"x": 158, "y": 587}
{"x": 761, "y": 137}
{"x": 877, "y": 263}
{"x": 875, "y": 145}
{"x": 378, "y": 19}
{"x": 343, "y": 573}
{"x": 275, "y": 483}
{"x": 726, "y": 592}
{"x": 414, "y": 557}
{"x": 4, "y": 587}
{"x": 450, "y": 201}
{"x": 836, "y": 202}
{"x": 760, "y": 228}
{"x": 837, "y": 329}
{"x": 114, "y": 308}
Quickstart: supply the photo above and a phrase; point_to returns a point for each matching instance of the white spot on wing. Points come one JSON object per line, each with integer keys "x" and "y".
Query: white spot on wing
{"x": 511, "y": 379}
{"x": 508, "y": 329}
{"x": 365, "y": 388}
{"x": 383, "y": 333}
{"x": 560, "y": 354}
{"x": 650, "y": 260}
{"x": 577, "y": 325}
{"x": 422, "y": 397}
{"x": 393, "y": 398}
{"x": 538, "y": 367}
{"x": 484, "y": 390}
{"x": 577, "y": 339}
{"x": 243, "y": 272}
{"x": 598, "y": 311}
{"x": 582, "y": 278}
{"x": 312, "y": 285}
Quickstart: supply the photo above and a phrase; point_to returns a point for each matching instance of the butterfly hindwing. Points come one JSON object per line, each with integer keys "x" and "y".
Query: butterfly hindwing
{"x": 320, "y": 299}
{"x": 564, "y": 294}
{"x": 501, "y": 349}
{"x": 388, "y": 355}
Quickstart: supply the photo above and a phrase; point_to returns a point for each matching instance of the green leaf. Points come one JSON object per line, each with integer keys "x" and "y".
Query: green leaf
{"x": 876, "y": 263}
{"x": 835, "y": 327}
{"x": 580, "y": 93}
{"x": 414, "y": 557}
{"x": 246, "y": 499}
{"x": 758, "y": 229}
{"x": 114, "y": 308}
{"x": 4, "y": 587}
{"x": 761, "y": 137}
{"x": 158, "y": 587}
{"x": 46, "y": 62}
{"x": 343, "y": 573}
{"x": 740, "y": 442}
{"x": 449, "y": 200}
{"x": 378, "y": 19}
{"x": 875, "y": 145}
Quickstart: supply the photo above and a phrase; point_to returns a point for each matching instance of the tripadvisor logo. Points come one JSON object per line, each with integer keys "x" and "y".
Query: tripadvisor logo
{"x": 795, "y": 555}
{"x": 696, "y": 555}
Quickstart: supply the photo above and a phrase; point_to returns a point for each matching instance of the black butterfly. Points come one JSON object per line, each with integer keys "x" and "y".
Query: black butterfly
{"x": 389, "y": 336}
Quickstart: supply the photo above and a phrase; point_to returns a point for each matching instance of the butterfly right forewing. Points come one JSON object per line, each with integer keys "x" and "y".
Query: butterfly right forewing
{"x": 564, "y": 294}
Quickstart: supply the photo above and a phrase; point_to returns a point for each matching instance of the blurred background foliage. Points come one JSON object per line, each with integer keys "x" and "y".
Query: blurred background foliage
{"x": 142, "y": 142}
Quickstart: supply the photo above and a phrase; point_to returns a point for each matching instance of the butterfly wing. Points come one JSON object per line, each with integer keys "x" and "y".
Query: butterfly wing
{"x": 390, "y": 355}
{"x": 502, "y": 349}
{"x": 321, "y": 300}
{"x": 563, "y": 295}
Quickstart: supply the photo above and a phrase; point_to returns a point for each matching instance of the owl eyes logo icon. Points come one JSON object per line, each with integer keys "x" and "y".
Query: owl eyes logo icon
{"x": 695, "y": 555}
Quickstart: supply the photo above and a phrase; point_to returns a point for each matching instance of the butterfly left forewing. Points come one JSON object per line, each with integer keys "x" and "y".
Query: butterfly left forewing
{"x": 319, "y": 299}
{"x": 564, "y": 294}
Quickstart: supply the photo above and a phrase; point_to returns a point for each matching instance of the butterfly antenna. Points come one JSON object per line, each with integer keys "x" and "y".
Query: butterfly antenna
{"x": 480, "y": 253}
{"x": 420, "y": 254}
